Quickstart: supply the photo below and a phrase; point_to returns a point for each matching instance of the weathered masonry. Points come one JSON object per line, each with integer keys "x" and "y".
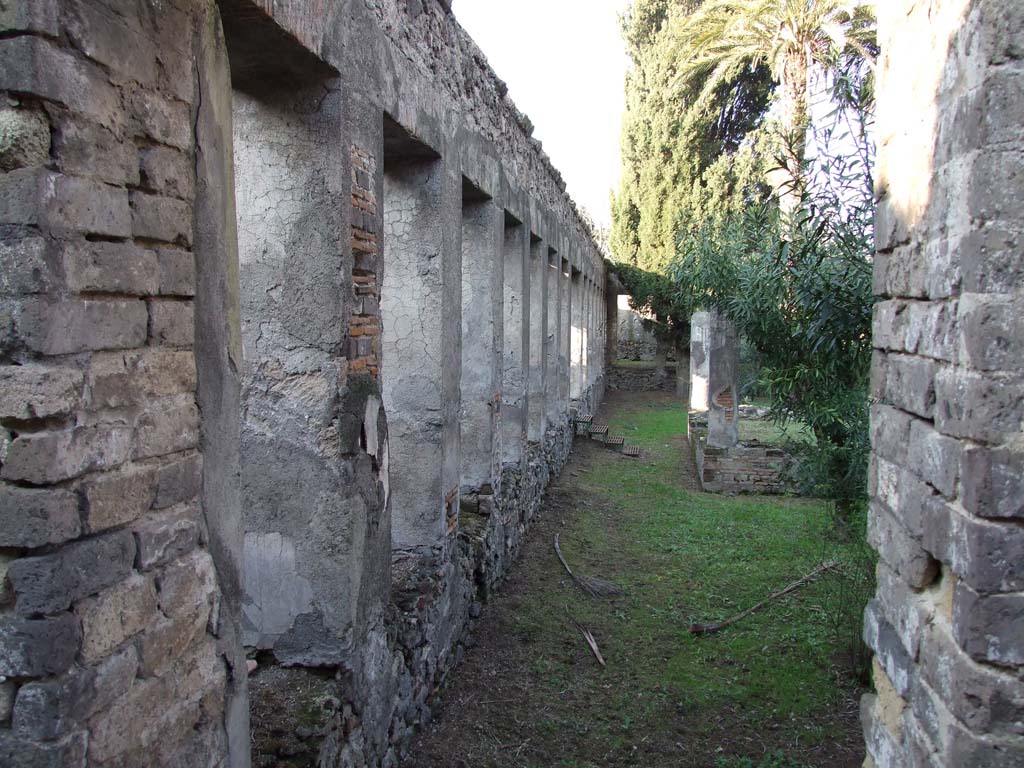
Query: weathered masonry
{"x": 947, "y": 476}
{"x": 293, "y": 315}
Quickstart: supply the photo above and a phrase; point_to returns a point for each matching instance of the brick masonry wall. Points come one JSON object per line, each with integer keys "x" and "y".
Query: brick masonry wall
{"x": 364, "y": 327}
{"x": 110, "y": 609}
{"x": 743, "y": 468}
{"x": 947, "y": 499}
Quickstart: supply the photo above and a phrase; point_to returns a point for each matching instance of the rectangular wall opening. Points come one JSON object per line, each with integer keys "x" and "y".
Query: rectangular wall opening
{"x": 553, "y": 337}
{"x": 516, "y": 327}
{"x": 576, "y": 338}
{"x": 482, "y": 332}
{"x": 565, "y": 331}
{"x": 538, "y": 338}
{"x": 290, "y": 189}
{"x": 414, "y": 345}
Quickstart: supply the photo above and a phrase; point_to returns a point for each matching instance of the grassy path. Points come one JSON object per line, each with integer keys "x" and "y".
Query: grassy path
{"x": 530, "y": 693}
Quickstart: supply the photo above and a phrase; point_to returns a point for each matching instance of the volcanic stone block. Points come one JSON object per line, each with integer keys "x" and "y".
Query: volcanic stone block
{"x": 50, "y": 583}
{"x": 36, "y": 517}
{"x": 38, "y": 647}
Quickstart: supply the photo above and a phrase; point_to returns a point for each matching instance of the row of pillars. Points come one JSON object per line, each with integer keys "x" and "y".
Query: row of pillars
{"x": 491, "y": 334}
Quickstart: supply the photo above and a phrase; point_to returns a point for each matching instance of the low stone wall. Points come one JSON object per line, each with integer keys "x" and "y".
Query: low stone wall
{"x": 750, "y": 467}
{"x": 368, "y": 714}
{"x": 635, "y": 379}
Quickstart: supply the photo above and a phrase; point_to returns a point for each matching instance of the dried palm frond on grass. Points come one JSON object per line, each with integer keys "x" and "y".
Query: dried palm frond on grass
{"x": 588, "y": 584}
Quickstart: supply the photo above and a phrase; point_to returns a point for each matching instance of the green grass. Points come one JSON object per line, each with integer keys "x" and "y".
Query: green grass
{"x": 686, "y": 556}
{"x": 642, "y": 365}
{"x": 769, "y": 685}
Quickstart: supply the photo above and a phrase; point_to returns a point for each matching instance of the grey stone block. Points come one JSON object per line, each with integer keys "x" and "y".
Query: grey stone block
{"x": 38, "y": 647}
{"x": 101, "y": 34}
{"x": 118, "y": 380}
{"x": 885, "y": 642}
{"x": 86, "y": 148}
{"x": 33, "y": 518}
{"x": 186, "y": 584}
{"x": 162, "y": 119}
{"x": 898, "y": 547}
{"x": 38, "y": 66}
{"x": 40, "y": 16}
{"x": 990, "y": 257}
{"x": 178, "y": 481}
{"x": 168, "y": 426}
{"x": 24, "y": 268}
{"x": 50, "y": 457}
{"x": 161, "y": 218}
{"x": 177, "y": 272}
{"x": 989, "y": 628}
{"x": 111, "y": 268}
{"x": 172, "y": 323}
{"x": 24, "y": 139}
{"x": 991, "y": 331}
{"x": 983, "y": 408}
{"x": 64, "y": 204}
{"x": 910, "y": 384}
{"x": 993, "y": 481}
{"x": 69, "y": 752}
{"x": 985, "y": 554}
{"x": 82, "y": 325}
{"x": 167, "y": 536}
{"x": 935, "y": 458}
{"x": 167, "y": 171}
{"x": 986, "y": 699}
{"x": 50, "y": 583}
{"x": 29, "y": 392}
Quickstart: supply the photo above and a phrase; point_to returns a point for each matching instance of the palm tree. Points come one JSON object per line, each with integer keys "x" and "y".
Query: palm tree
{"x": 722, "y": 38}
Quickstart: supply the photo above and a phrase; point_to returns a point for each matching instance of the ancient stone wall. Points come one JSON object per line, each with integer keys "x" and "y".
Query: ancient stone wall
{"x": 748, "y": 467}
{"x": 260, "y": 393}
{"x": 947, "y": 622}
{"x": 633, "y": 340}
{"x": 648, "y": 378}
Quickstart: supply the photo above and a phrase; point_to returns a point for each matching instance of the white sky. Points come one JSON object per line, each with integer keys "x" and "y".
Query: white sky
{"x": 565, "y": 65}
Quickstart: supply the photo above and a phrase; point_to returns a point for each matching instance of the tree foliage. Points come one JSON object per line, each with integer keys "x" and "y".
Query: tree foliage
{"x": 668, "y": 142}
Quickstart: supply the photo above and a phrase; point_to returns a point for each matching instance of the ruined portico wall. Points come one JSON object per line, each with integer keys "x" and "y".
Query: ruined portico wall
{"x": 947, "y": 499}
{"x": 129, "y": 441}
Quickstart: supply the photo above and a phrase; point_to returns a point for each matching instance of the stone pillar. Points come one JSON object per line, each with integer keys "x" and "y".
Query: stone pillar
{"x": 421, "y": 312}
{"x": 552, "y": 385}
{"x": 482, "y": 340}
{"x": 515, "y": 377}
{"x": 947, "y": 467}
{"x": 714, "y": 367}
{"x": 538, "y": 337}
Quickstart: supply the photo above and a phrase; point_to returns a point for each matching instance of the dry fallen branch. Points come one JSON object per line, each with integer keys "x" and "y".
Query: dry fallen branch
{"x": 589, "y": 637}
{"x": 707, "y": 629}
{"x": 589, "y": 585}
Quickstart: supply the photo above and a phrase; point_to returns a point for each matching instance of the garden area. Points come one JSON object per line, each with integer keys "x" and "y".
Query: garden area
{"x": 777, "y": 689}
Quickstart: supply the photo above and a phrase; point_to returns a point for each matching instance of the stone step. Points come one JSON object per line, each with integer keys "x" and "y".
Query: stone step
{"x": 582, "y": 424}
{"x": 614, "y": 442}
{"x": 598, "y": 432}
{"x": 631, "y": 450}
